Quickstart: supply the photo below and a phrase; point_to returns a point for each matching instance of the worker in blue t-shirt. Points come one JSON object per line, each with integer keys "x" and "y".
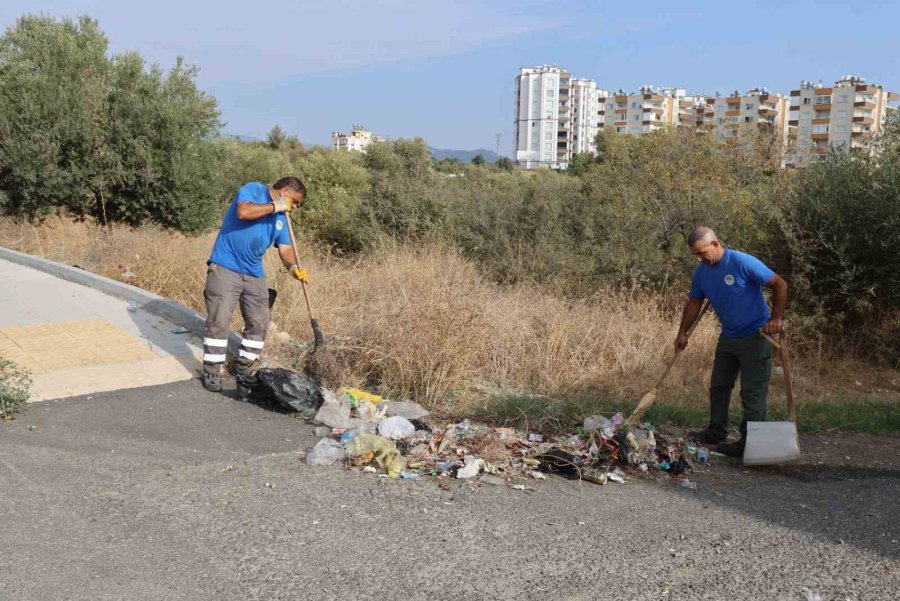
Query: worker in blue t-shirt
{"x": 255, "y": 220}
{"x": 733, "y": 283}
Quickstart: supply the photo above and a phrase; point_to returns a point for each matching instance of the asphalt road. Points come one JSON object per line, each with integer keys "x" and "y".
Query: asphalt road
{"x": 129, "y": 495}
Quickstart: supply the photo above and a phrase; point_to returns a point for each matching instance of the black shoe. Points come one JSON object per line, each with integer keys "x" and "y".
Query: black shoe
{"x": 212, "y": 382}
{"x": 732, "y": 449}
{"x": 707, "y": 437}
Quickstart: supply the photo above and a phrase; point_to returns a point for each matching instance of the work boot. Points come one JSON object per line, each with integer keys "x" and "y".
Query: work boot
{"x": 707, "y": 437}
{"x": 733, "y": 449}
{"x": 212, "y": 382}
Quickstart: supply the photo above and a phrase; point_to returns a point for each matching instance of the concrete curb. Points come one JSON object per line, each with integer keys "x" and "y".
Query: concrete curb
{"x": 153, "y": 303}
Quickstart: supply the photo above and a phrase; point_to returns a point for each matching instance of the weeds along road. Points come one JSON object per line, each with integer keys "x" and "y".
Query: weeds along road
{"x": 129, "y": 495}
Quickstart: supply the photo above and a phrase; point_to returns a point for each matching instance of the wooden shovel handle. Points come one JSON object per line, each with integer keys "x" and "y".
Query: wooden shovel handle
{"x": 784, "y": 354}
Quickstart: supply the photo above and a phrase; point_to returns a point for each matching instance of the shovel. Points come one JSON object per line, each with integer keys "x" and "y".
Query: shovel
{"x": 770, "y": 443}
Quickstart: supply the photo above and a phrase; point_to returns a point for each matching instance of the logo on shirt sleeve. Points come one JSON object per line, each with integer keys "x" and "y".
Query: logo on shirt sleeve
{"x": 729, "y": 280}
{"x": 279, "y": 225}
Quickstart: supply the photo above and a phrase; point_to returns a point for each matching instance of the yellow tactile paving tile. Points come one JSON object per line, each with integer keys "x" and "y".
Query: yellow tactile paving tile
{"x": 122, "y": 354}
{"x": 71, "y": 344}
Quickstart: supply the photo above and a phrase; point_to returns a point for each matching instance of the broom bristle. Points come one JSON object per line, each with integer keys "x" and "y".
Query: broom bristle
{"x": 645, "y": 402}
{"x": 323, "y": 367}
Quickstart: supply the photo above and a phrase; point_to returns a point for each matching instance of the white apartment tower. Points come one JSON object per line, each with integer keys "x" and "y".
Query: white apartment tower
{"x": 587, "y": 114}
{"x": 847, "y": 115}
{"x": 543, "y": 117}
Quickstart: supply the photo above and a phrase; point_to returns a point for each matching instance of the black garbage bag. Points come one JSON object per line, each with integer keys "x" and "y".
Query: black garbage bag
{"x": 290, "y": 390}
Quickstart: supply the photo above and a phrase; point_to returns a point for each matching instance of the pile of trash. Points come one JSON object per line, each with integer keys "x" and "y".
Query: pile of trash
{"x": 394, "y": 439}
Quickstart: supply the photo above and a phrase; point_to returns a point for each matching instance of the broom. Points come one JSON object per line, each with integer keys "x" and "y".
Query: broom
{"x": 649, "y": 398}
{"x": 320, "y": 364}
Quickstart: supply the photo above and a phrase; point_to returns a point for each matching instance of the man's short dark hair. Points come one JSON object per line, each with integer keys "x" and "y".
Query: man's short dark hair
{"x": 294, "y": 183}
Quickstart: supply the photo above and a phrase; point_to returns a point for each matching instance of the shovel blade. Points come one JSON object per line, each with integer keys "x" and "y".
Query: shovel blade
{"x": 771, "y": 443}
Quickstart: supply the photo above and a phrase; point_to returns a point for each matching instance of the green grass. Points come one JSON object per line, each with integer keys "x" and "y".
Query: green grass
{"x": 549, "y": 415}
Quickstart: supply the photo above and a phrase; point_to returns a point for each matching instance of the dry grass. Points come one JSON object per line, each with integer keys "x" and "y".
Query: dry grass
{"x": 422, "y": 323}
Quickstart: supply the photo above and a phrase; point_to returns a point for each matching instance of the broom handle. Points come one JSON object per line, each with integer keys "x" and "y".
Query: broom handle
{"x": 690, "y": 330}
{"x": 290, "y": 227}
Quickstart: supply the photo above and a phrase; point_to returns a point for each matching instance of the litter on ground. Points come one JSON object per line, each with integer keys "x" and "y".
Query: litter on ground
{"x": 393, "y": 439}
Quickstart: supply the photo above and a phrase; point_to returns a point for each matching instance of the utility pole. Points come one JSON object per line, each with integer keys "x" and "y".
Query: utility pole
{"x": 498, "y": 144}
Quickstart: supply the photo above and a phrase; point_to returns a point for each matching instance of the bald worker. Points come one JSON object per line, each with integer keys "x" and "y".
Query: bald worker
{"x": 733, "y": 283}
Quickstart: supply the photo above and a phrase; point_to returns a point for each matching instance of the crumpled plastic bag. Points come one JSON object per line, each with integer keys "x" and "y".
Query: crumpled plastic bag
{"x": 396, "y": 428}
{"x": 406, "y": 409}
{"x": 335, "y": 410}
{"x": 599, "y": 423}
{"x": 473, "y": 465}
{"x": 360, "y": 395}
{"x": 370, "y": 447}
{"x": 369, "y": 411}
{"x": 326, "y": 452}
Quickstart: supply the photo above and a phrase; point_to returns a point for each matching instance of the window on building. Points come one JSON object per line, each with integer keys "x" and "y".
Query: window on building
{"x": 804, "y": 129}
{"x": 720, "y": 120}
{"x": 820, "y": 129}
{"x": 842, "y": 114}
{"x": 549, "y": 125}
{"x": 550, "y": 105}
{"x": 746, "y": 119}
{"x": 548, "y": 147}
{"x": 551, "y": 82}
{"x": 806, "y": 100}
{"x": 548, "y": 135}
{"x": 749, "y": 106}
{"x": 843, "y": 98}
{"x": 823, "y": 114}
{"x": 793, "y": 115}
{"x": 551, "y": 93}
{"x": 535, "y": 145}
{"x": 841, "y": 129}
{"x": 823, "y": 99}
{"x": 636, "y": 118}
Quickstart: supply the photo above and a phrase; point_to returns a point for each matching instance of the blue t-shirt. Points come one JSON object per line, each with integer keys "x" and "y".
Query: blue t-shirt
{"x": 734, "y": 289}
{"x": 241, "y": 245}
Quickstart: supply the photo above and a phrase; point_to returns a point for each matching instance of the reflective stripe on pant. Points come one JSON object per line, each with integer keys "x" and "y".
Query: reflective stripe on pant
{"x": 225, "y": 289}
{"x": 752, "y": 358}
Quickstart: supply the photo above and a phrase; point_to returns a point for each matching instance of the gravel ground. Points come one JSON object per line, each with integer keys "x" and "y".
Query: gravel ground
{"x": 169, "y": 492}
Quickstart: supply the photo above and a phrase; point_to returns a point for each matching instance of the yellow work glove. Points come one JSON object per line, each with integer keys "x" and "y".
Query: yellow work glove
{"x": 300, "y": 274}
{"x": 284, "y": 204}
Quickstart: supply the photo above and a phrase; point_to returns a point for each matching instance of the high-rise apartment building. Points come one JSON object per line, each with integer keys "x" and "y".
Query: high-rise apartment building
{"x": 649, "y": 109}
{"x": 357, "y": 140}
{"x": 543, "y": 117}
{"x": 848, "y": 115}
{"x": 587, "y": 114}
{"x": 558, "y": 115}
{"x": 758, "y": 108}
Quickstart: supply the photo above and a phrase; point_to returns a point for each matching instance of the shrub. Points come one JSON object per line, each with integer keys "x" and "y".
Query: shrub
{"x": 14, "y": 388}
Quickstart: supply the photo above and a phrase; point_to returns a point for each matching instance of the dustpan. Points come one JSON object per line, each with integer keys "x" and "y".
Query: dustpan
{"x": 771, "y": 443}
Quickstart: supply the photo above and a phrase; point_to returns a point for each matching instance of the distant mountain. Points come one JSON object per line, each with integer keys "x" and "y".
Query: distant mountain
{"x": 463, "y": 155}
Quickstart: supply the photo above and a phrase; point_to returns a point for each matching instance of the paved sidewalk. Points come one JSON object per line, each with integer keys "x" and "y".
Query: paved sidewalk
{"x": 76, "y": 340}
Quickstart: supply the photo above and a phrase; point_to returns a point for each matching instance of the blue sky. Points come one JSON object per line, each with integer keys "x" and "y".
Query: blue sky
{"x": 445, "y": 70}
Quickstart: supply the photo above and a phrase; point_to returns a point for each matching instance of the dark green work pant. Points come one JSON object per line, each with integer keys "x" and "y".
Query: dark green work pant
{"x": 751, "y": 357}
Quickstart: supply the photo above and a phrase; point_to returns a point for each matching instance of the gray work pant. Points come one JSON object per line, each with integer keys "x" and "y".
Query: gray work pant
{"x": 224, "y": 289}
